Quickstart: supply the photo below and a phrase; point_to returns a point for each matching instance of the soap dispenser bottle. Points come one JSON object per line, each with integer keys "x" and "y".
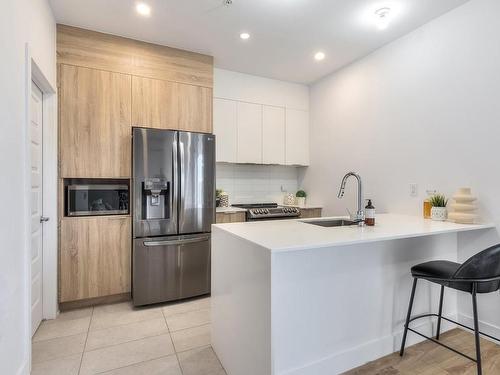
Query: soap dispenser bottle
{"x": 370, "y": 214}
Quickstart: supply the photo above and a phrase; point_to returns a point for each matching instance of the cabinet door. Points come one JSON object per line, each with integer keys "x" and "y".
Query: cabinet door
{"x": 225, "y": 130}
{"x": 169, "y": 105}
{"x": 194, "y": 108}
{"x": 297, "y": 137}
{"x": 249, "y": 133}
{"x": 94, "y": 122}
{"x": 94, "y": 257}
{"x": 273, "y": 135}
{"x": 230, "y": 217}
{"x": 154, "y": 103}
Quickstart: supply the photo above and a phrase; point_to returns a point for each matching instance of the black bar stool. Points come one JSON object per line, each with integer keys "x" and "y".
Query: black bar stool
{"x": 479, "y": 274}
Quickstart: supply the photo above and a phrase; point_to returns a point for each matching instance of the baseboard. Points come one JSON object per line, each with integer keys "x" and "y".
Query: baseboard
{"x": 72, "y": 305}
{"x": 348, "y": 359}
{"x": 487, "y": 328}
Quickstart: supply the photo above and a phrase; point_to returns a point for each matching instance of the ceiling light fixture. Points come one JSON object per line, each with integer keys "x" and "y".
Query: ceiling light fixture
{"x": 382, "y": 18}
{"x": 319, "y": 56}
{"x": 244, "y": 36}
{"x": 143, "y": 9}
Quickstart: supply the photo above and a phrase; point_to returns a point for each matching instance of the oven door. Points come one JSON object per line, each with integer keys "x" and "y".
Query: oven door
{"x": 97, "y": 199}
{"x": 170, "y": 268}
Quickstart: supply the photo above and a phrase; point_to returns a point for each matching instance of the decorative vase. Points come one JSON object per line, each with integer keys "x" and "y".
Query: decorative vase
{"x": 224, "y": 200}
{"x": 463, "y": 207}
{"x": 438, "y": 213}
{"x": 301, "y": 201}
{"x": 289, "y": 199}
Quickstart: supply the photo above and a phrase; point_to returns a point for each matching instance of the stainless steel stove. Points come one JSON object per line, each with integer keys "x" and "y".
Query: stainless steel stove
{"x": 268, "y": 211}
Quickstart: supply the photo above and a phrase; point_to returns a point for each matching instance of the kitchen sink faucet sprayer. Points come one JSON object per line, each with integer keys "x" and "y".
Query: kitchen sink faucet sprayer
{"x": 360, "y": 213}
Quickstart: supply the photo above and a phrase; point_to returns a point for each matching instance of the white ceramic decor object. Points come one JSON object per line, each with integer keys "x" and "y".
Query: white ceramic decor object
{"x": 438, "y": 213}
{"x": 301, "y": 201}
{"x": 463, "y": 207}
{"x": 224, "y": 200}
{"x": 289, "y": 199}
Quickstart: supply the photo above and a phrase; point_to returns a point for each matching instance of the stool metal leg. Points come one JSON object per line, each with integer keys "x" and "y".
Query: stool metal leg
{"x": 476, "y": 328}
{"x": 440, "y": 313}
{"x": 408, "y": 316}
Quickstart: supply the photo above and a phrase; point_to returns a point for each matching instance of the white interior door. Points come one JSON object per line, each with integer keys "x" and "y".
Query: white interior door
{"x": 36, "y": 134}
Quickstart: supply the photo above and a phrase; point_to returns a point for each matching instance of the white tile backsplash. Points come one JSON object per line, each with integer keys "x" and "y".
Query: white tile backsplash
{"x": 247, "y": 183}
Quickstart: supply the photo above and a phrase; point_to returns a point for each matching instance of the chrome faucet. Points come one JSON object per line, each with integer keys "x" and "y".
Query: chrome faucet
{"x": 360, "y": 213}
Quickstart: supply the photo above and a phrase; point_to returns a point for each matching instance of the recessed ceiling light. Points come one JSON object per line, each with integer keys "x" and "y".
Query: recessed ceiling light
{"x": 319, "y": 56}
{"x": 382, "y": 17}
{"x": 143, "y": 9}
{"x": 244, "y": 36}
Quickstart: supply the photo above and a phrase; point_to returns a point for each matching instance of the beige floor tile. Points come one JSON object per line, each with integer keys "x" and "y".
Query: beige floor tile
{"x": 161, "y": 366}
{"x": 183, "y": 306}
{"x": 129, "y": 332}
{"x": 191, "y": 338}
{"x": 114, "y": 307}
{"x": 188, "y": 320}
{"x": 127, "y": 354}
{"x": 52, "y": 329}
{"x": 56, "y": 348}
{"x": 61, "y": 366}
{"x": 101, "y": 319}
{"x": 202, "y": 361}
{"x": 75, "y": 314}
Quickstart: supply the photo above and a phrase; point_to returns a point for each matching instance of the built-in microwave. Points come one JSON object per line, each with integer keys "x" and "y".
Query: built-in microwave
{"x": 97, "y": 199}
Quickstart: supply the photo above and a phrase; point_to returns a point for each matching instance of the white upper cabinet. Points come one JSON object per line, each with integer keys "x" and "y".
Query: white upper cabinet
{"x": 273, "y": 135}
{"x": 297, "y": 137}
{"x": 259, "y": 120}
{"x": 225, "y": 130}
{"x": 249, "y": 133}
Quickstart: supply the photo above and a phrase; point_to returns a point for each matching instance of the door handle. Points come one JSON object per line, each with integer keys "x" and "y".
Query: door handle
{"x": 175, "y": 242}
{"x": 44, "y": 219}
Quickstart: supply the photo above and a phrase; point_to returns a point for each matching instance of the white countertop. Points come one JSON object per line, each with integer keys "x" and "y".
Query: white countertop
{"x": 292, "y": 235}
{"x": 229, "y": 209}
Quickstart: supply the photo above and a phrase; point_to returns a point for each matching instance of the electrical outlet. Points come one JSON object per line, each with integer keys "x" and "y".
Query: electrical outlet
{"x": 413, "y": 190}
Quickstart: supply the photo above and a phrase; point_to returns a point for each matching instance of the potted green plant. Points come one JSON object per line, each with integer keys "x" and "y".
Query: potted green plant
{"x": 438, "y": 203}
{"x": 300, "y": 197}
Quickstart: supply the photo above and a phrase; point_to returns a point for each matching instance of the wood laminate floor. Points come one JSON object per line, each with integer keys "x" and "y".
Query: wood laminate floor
{"x": 427, "y": 358}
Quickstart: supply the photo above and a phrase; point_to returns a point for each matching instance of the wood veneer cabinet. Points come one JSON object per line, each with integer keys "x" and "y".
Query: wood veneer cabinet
{"x": 94, "y": 257}
{"x": 310, "y": 212}
{"x": 94, "y": 123}
{"x": 230, "y": 217}
{"x": 170, "y": 105}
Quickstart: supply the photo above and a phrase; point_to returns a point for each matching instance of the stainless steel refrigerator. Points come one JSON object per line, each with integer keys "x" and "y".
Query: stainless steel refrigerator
{"x": 173, "y": 209}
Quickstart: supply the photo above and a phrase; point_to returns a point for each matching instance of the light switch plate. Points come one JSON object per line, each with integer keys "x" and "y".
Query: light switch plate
{"x": 413, "y": 190}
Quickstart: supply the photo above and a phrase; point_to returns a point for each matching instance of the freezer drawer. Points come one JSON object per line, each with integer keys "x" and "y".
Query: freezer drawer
{"x": 170, "y": 268}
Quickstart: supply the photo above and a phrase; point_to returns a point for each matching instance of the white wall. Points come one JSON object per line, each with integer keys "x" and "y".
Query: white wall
{"x": 21, "y": 22}
{"x": 256, "y": 183}
{"x": 424, "y": 109}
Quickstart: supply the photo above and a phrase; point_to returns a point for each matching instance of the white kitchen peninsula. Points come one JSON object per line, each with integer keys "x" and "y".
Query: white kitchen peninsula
{"x": 294, "y": 298}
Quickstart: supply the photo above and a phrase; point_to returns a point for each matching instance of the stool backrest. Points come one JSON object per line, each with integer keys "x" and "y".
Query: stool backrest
{"x": 483, "y": 265}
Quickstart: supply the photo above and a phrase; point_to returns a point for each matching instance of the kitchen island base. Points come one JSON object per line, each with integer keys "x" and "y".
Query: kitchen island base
{"x": 320, "y": 310}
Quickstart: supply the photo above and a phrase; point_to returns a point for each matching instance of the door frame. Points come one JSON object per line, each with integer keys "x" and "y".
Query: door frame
{"x": 49, "y": 185}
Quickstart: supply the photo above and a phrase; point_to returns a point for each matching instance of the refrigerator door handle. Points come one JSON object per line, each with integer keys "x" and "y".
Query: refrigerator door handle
{"x": 181, "y": 181}
{"x": 175, "y": 242}
{"x": 175, "y": 176}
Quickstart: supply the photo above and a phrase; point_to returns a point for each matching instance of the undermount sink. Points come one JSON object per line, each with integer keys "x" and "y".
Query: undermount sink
{"x": 332, "y": 223}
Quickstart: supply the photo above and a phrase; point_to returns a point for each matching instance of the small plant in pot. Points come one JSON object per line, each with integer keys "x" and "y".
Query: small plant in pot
{"x": 438, "y": 210}
{"x": 300, "y": 197}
